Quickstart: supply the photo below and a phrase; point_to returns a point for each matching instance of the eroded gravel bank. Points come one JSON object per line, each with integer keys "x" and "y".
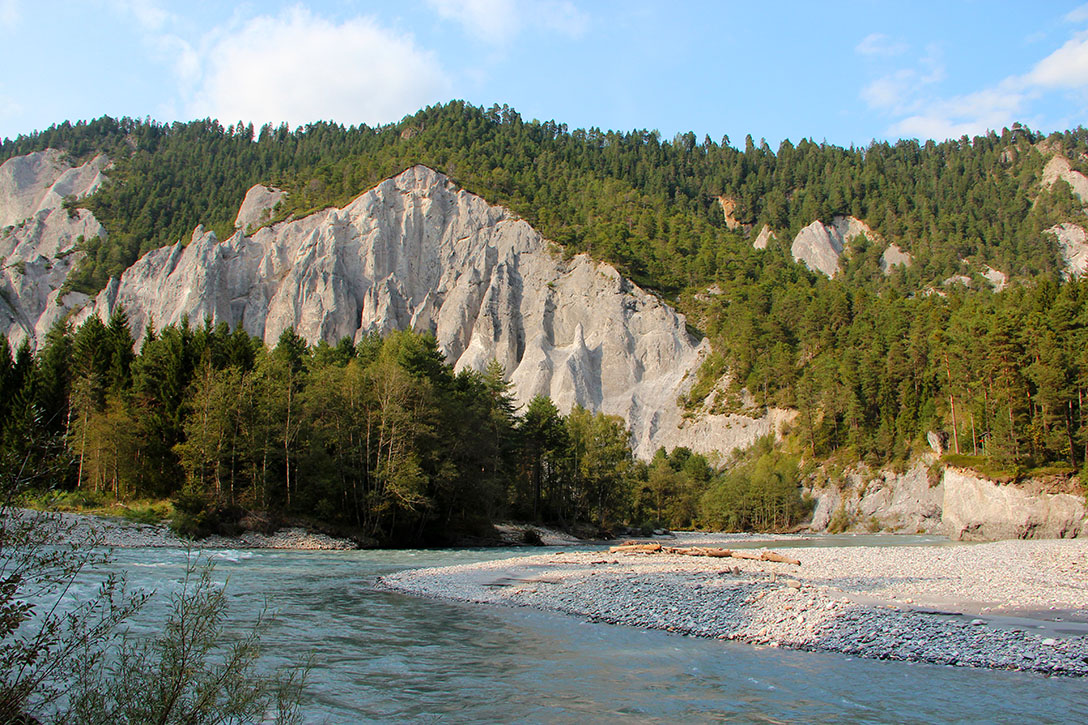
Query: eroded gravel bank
{"x": 1020, "y": 605}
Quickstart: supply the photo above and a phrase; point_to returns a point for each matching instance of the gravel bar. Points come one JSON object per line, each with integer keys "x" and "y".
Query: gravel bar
{"x": 1014, "y": 605}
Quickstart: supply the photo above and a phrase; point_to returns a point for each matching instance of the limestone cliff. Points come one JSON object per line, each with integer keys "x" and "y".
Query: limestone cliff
{"x": 417, "y": 252}
{"x": 975, "y": 508}
{"x": 937, "y": 499}
{"x": 1059, "y": 168}
{"x": 39, "y": 239}
{"x": 906, "y": 502}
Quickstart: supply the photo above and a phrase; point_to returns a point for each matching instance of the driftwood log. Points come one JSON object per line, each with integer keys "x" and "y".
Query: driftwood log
{"x": 634, "y": 547}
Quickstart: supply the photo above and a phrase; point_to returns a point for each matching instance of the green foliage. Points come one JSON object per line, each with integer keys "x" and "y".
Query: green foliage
{"x": 762, "y": 493}
{"x": 67, "y": 659}
{"x": 840, "y": 520}
{"x": 147, "y": 512}
{"x": 198, "y": 670}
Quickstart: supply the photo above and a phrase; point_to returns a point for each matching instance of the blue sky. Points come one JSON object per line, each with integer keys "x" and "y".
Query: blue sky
{"x": 845, "y": 72}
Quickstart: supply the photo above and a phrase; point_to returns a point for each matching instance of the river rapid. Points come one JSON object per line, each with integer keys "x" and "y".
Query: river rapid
{"x": 386, "y": 657}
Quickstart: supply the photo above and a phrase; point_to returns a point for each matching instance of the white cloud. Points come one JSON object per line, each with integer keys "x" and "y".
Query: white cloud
{"x": 298, "y": 68}
{"x": 1067, "y": 67}
{"x": 500, "y": 21}
{"x": 147, "y": 13}
{"x": 971, "y": 114}
{"x": 153, "y": 23}
{"x": 900, "y": 91}
{"x": 880, "y": 44}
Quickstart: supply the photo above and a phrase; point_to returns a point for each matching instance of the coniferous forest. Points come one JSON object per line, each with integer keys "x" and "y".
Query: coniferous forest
{"x": 383, "y": 437}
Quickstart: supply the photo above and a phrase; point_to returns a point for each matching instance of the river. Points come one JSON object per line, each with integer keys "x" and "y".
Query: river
{"x": 386, "y": 657}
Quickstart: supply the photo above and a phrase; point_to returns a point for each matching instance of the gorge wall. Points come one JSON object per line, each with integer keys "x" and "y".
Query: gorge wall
{"x": 414, "y": 252}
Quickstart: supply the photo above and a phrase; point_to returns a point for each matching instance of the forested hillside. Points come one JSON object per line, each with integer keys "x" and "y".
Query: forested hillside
{"x": 872, "y": 361}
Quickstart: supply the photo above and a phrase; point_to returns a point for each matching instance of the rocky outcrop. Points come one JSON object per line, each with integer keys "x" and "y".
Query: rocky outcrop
{"x": 819, "y": 246}
{"x": 416, "y": 252}
{"x": 728, "y": 207}
{"x": 958, "y": 503}
{"x": 1073, "y": 247}
{"x": 975, "y": 508}
{"x": 997, "y": 279}
{"x": 905, "y": 502}
{"x": 763, "y": 238}
{"x": 39, "y": 239}
{"x": 1059, "y": 168}
{"x": 257, "y": 207}
{"x": 893, "y": 256}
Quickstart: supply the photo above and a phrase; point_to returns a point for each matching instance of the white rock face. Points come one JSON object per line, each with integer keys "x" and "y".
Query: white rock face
{"x": 902, "y": 502}
{"x": 416, "y": 252}
{"x": 1059, "y": 168}
{"x": 1073, "y": 246}
{"x": 997, "y": 279}
{"x": 257, "y": 207}
{"x": 763, "y": 238}
{"x": 977, "y": 508}
{"x": 38, "y": 239}
{"x": 819, "y": 246}
{"x": 960, "y": 279}
{"x": 894, "y": 256}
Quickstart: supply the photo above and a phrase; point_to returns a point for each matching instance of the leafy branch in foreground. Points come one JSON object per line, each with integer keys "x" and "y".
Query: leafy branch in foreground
{"x": 64, "y": 656}
{"x": 196, "y": 671}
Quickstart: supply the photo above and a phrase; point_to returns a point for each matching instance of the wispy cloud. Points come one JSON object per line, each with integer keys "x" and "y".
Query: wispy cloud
{"x": 1077, "y": 15}
{"x": 296, "y": 67}
{"x": 965, "y": 115}
{"x": 878, "y": 44}
{"x": 499, "y": 22}
{"x": 911, "y": 95}
{"x": 154, "y": 24}
{"x": 900, "y": 91}
{"x": 9, "y": 14}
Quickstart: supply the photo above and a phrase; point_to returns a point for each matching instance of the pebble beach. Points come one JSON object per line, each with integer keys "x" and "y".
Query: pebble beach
{"x": 1014, "y": 605}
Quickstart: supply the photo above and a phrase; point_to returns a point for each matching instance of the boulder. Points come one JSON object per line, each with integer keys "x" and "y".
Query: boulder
{"x": 257, "y": 207}
{"x": 893, "y": 256}
{"x": 763, "y": 238}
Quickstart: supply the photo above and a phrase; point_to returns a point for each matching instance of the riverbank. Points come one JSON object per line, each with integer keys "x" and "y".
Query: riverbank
{"x": 66, "y": 528}
{"x": 1016, "y": 605}
{"x": 121, "y": 533}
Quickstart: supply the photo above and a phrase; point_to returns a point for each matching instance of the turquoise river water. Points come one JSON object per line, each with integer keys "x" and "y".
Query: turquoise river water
{"x": 385, "y": 657}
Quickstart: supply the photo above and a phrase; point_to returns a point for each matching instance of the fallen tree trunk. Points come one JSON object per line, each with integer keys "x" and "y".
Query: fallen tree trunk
{"x": 774, "y": 556}
{"x": 643, "y": 548}
{"x": 634, "y": 547}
